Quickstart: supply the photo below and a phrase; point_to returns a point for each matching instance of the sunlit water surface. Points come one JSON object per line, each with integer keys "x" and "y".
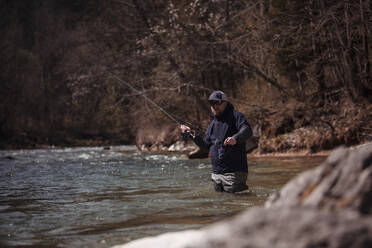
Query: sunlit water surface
{"x": 91, "y": 197}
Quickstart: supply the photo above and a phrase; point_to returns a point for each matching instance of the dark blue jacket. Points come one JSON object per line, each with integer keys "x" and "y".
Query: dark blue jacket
{"x": 230, "y": 123}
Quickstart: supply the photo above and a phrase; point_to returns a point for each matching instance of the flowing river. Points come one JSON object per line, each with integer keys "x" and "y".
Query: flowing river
{"x": 91, "y": 197}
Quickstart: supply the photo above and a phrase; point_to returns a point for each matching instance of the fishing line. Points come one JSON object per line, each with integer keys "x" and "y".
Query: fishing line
{"x": 173, "y": 117}
{"x": 168, "y": 114}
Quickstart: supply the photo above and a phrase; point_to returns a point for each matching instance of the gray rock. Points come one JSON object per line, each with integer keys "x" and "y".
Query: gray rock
{"x": 343, "y": 181}
{"x": 182, "y": 146}
{"x": 329, "y": 206}
{"x": 198, "y": 153}
{"x": 251, "y": 144}
{"x": 285, "y": 227}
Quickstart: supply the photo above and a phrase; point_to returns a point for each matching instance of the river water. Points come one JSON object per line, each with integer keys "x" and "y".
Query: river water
{"x": 91, "y": 197}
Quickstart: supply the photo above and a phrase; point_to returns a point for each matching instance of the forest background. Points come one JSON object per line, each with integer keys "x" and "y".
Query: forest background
{"x": 74, "y": 72}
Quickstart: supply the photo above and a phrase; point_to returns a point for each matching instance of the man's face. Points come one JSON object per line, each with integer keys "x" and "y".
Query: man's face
{"x": 217, "y": 108}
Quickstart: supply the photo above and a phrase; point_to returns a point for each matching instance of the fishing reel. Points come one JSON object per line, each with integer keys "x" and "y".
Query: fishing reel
{"x": 188, "y": 135}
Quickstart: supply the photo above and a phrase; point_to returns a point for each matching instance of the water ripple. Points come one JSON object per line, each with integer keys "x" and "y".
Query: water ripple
{"x": 84, "y": 197}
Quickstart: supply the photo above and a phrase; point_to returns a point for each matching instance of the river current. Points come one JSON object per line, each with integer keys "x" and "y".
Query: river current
{"x": 91, "y": 197}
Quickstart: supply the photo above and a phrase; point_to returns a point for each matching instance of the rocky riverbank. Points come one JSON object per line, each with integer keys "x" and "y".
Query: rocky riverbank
{"x": 295, "y": 129}
{"x": 329, "y": 206}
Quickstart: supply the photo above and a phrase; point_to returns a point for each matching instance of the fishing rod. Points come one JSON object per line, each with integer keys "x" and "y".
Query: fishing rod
{"x": 171, "y": 116}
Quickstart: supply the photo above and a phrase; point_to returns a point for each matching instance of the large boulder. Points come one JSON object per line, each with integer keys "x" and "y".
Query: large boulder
{"x": 329, "y": 206}
{"x": 295, "y": 227}
{"x": 156, "y": 138}
{"x": 343, "y": 181}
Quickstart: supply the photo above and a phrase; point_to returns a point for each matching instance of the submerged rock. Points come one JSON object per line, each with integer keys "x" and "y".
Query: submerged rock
{"x": 329, "y": 206}
{"x": 8, "y": 157}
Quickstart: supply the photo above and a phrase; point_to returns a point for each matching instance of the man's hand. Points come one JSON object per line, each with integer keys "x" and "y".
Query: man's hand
{"x": 186, "y": 132}
{"x": 229, "y": 141}
{"x": 185, "y": 129}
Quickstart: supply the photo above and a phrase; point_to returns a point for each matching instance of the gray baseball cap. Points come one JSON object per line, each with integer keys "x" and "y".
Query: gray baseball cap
{"x": 217, "y": 96}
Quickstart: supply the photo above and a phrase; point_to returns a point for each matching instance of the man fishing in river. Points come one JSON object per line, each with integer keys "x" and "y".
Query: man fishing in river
{"x": 225, "y": 138}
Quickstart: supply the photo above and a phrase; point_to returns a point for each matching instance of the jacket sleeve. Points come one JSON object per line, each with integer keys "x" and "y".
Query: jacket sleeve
{"x": 244, "y": 129}
{"x": 206, "y": 142}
